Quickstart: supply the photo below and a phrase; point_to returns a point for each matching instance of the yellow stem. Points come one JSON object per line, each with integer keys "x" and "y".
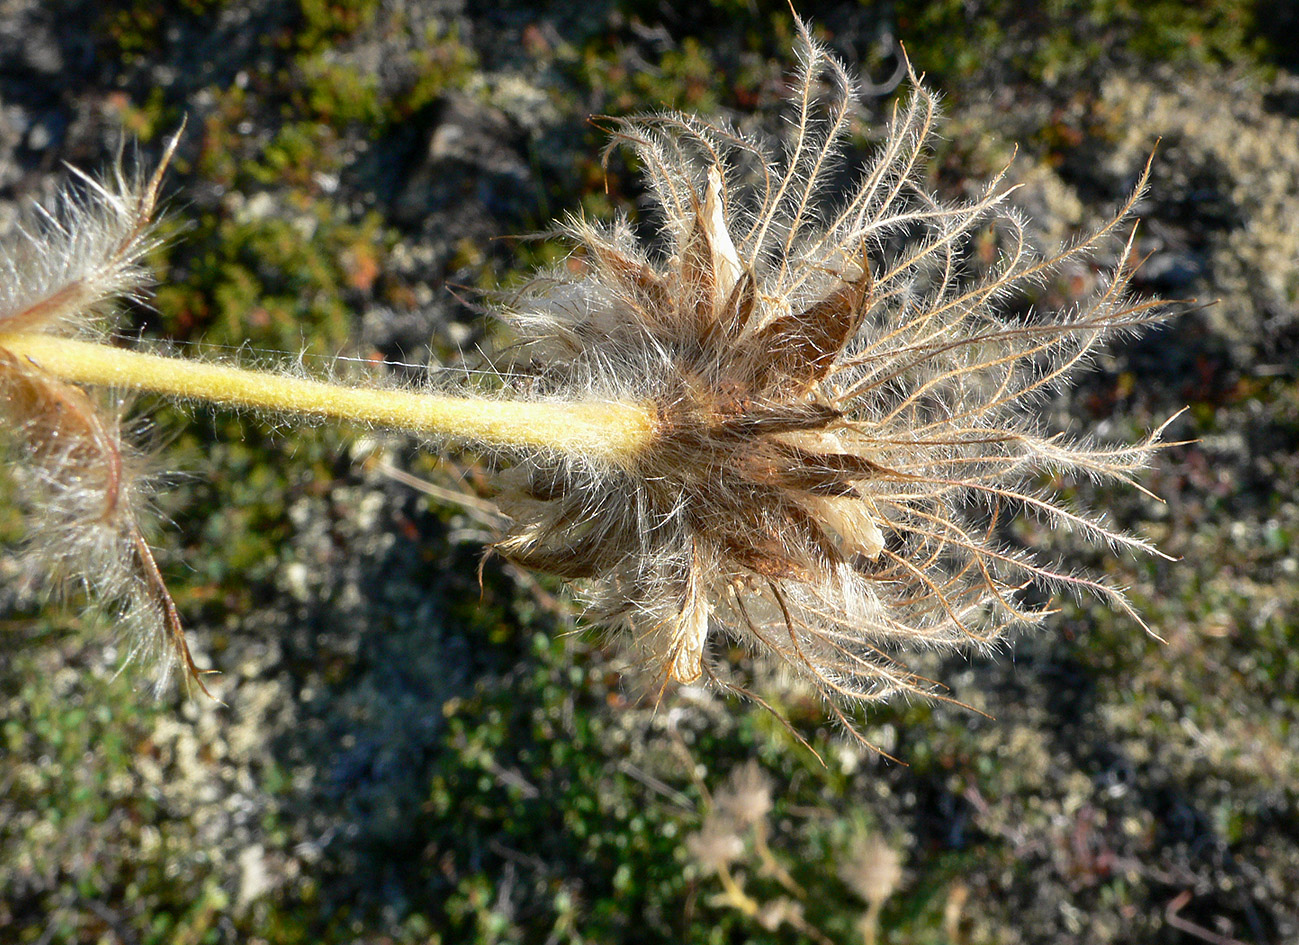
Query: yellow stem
{"x": 870, "y": 922}
{"x": 735, "y": 895}
{"x": 613, "y": 432}
{"x": 770, "y": 862}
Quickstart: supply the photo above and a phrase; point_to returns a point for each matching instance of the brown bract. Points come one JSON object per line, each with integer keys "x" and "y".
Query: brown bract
{"x": 846, "y": 402}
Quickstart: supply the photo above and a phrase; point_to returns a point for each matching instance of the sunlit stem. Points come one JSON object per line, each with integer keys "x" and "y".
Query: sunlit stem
{"x": 736, "y": 897}
{"x": 870, "y": 922}
{"x": 769, "y": 861}
{"x": 611, "y": 432}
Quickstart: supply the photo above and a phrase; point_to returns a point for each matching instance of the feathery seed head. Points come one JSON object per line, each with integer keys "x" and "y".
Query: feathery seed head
{"x": 85, "y": 486}
{"x": 843, "y": 403}
{"x": 715, "y": 845}
{"x": 745, "y": 799}
{"x": 873, "y": 869}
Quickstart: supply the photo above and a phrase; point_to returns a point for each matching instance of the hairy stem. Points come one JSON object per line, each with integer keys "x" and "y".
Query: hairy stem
{"x": 612, "y": 432}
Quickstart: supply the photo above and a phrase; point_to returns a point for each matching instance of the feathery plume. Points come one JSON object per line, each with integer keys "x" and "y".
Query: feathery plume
{"x": 745, "y": 799}
{"x": 844, "y": 409}
{"x": 84, "y": 485}
{"x": 715, "y": 845}
{"x": 874, "y": 872}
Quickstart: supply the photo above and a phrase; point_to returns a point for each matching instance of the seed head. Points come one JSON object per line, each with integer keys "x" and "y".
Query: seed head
{"x": 745, "y": 799}
{"x": 84, "y": 485}
{"x": 845, "y": 404}
{"x": 873, "y": 869}
{"x": 716, "y": 845}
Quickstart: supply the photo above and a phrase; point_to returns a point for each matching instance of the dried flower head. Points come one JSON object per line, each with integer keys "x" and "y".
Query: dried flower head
{"x": 873, "y": 869}
{"x": 78, "y": 475}
{"x": 745, "y": 799}
{"x": 716, "y": 845}
{"x": 780, "y": 912}
{"x": 844, "y": 403}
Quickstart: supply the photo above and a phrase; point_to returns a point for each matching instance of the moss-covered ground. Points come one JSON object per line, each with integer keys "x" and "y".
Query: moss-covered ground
{"x": 402, "y": 756}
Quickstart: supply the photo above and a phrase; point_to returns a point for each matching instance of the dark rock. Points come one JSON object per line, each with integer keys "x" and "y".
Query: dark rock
{"x": 473, "y": 154}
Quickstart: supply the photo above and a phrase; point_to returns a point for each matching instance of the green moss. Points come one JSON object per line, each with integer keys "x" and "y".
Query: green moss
{"x": 329, "y": 90}
{"x": 440, "y": 63}
{"x": 1061, "y": 38}
{"x": 271, "y": 282}
{"x": 58, "y": 809}
{"x": 685, "y": 77}
{"x": 135, "y": 29}
{"x": 336, "y": 93}
{"x": 324, "y": 22}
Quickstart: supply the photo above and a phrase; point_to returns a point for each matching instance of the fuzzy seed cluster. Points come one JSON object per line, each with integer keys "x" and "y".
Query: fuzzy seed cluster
{"x": 83, "y": 483}
{"x": 846, "y": 398}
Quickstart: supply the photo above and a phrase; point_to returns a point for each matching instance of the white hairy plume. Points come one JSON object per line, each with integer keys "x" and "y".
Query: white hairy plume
{"x": 83, "y": 484}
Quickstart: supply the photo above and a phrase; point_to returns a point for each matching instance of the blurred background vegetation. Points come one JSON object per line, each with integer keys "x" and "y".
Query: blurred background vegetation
{"x": 401, "y": 756}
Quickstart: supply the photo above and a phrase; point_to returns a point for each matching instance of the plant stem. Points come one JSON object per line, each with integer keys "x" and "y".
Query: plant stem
{"x": 611, "y": 432}
{"x": 735, "y": 894}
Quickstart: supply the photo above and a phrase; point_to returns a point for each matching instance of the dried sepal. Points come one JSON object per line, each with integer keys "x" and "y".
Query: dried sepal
{"x": 846, "y": 406}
